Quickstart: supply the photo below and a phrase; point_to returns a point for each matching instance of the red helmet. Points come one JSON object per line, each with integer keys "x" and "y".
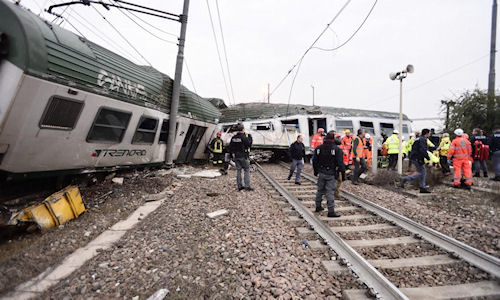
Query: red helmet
{"x": 219, "y": 134}
{"x": 321, "y": 130}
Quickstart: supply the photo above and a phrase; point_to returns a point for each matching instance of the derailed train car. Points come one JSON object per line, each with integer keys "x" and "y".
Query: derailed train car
{"x": 275, "y": 126}
{"x": 68, "y": 105}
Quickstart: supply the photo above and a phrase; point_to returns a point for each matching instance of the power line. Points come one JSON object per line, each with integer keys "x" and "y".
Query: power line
{"x": 167, "y": 41}
{"x": 347, "y": 41}
{"x": 430, "y": 80}
{"x": 123, "y": 37}
{"x": 225, "y": 51}
{"x": 312, "y": 45}
{"x": 218, "y": 52}
{"x": 147, "y": 23}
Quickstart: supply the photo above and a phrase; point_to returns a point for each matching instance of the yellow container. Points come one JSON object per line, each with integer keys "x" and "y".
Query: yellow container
{"x": 55, "y": 210}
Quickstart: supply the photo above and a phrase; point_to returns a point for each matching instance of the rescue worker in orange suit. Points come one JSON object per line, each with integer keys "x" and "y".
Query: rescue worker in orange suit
{"x": 346, "y": 147}
{"x": 217, "y": 147}
{"x": 460, "y": 151}
{"x": 480, "y": 151}
{"x": 358, "y": 149}
{"x": 368, "y": 141}
{"x": 317, "y": 140}
{"x": 338, "y": 142}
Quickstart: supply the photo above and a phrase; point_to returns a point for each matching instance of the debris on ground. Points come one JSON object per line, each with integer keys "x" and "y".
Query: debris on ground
{"x": 217, "y": 213}
{"x": 56, "y": 210}
{"x": 117, "y": 180}
{"x": 159, "y": 295}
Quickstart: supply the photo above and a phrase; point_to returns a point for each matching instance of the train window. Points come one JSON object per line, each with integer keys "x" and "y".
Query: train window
{"x": 61, "y": 113}
{"x": 262, "y": 126}
{"x": 146, "y": 131}
{"x": 387, "y": 128}
{"x": 405, "y": 128}
{"x": 164, "y": 131}
{"x": 109, "y": 126}
{"x": 342, "y": 125}
{"x": 367, "y": 126}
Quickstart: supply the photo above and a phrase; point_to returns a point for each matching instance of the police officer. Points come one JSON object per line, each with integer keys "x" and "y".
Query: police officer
{"x": 239, "y": 147}
{"x": 494, "y": 143}
{"x": 435, "y": 139}
{"x": 327, "y": 163}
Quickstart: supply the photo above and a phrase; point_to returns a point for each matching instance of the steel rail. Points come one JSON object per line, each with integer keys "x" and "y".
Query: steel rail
{"x": 475, "y": 257}
{"x": 375, "y": 281}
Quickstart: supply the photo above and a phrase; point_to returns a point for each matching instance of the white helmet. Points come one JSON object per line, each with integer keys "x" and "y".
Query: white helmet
{"x": 395, "y": 131}
{"x": 368, "y": 136}
{"x": 458, "y": 132}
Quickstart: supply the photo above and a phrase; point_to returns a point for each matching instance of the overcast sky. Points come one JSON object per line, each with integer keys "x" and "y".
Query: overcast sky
{"x": 447, "y": 41}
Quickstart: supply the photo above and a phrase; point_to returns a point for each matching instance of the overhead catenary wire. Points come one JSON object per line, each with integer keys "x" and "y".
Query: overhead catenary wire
{"x": 383, "y": 100}
{"x": 218, "y": 51}
{"x": 355, "y": 32}
{"x": 149, "y": 24}
{"x": 130, "y": 18}
{"x": 122, "y": 36}
{"x": 225, "y": 51}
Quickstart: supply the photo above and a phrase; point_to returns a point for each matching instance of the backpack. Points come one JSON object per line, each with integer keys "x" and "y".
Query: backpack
{"x": 478, "y": 147}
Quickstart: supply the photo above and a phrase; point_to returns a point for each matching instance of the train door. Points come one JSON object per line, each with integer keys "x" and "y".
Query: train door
{"x": 314, "y": 124}
{"x": 190, "y": 144}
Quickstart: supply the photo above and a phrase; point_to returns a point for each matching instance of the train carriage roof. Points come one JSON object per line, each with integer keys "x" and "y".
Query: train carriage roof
{"x": 47, "y": 51}
{"x": 255, "y": 111}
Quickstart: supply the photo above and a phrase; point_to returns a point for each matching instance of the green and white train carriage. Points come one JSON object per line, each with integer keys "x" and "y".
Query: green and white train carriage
{"x": 68, "y": 105}
{"x": 274, "y": 126}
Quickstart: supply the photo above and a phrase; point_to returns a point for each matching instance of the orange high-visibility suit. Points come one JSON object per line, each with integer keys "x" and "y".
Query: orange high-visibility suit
{"x": 460, "y": 151}
{"x": 368, "y": 151}
{"x": 346, "y": 148}
{"x": 317, "y": 140}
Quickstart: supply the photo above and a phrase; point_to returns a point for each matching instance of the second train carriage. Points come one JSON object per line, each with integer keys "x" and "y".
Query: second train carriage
{"x": 70, "y": 105}
{"x": 276, "y": 126}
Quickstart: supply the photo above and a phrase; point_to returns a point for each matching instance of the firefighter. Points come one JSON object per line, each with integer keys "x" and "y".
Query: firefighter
{"x": 434, "y": 139}
{"x": 392, "y": 145}
{"x": 368, "y": 141}
{"x": 480, "y": 151}
{"x": 443, "y": 149}
{"x": 460, "y": 151}
{"x": 346, "y": 147}
{"x": 217, "y": 149}
{"x": 338, "y": 142}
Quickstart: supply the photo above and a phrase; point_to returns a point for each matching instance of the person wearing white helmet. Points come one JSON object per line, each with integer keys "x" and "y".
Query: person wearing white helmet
{"x": 368, "y": 141}
{"x": 392, "y": 145}
{"x": 460, "y": 151}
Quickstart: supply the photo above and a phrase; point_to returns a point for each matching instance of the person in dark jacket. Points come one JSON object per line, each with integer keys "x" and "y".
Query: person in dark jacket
{"x": 297, "y": 152}
{"x": 494, "y": 144}
{"x": 239, "y": 148}
{"x": 477, "y": 141}
{"x": 435, "y": 139}
{"x": 417, "y": 156}
{"x": 328, "y": 163}
{"x": 358, "y": 148}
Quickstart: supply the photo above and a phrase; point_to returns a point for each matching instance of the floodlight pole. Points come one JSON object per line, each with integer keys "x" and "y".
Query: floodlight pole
{"x": 400, "y": 137}
{"x": 174, "y": 106}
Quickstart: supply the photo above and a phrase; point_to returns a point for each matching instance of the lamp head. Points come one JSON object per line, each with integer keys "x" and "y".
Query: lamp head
{"x": 410, "y": 69}
{"x": 393, "y": 76}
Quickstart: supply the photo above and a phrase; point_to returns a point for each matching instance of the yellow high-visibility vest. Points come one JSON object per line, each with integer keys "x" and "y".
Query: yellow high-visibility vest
{"x": 218, "y": 146}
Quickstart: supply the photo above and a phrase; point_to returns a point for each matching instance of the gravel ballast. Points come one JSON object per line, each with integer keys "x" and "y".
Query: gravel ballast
{"x": 250, "y": 252}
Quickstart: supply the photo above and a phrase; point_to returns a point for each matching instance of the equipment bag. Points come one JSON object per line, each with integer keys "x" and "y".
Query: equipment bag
{"x": 484, "y": 152}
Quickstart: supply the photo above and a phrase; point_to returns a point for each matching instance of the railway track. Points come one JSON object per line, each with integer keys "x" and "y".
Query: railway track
{"x": 395, "y": 257}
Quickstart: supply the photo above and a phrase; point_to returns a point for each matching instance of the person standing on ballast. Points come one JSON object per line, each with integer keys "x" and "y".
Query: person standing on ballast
{"x": 239, "y": 148}
{"x": 328, "y": 163}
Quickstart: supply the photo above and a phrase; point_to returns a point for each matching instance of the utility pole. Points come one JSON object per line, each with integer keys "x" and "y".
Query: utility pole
{"x": 313, "y": 93}
{"x": 174, "y": 106}
{"x": 448, "y": 103}
{"x": 491, "y": 77}
{"x": 268, "y": 94}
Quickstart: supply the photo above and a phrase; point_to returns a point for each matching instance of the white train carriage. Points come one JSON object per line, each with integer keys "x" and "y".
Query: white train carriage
{"x": 68, "y": 105}
{"x": 275, "y": 126}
